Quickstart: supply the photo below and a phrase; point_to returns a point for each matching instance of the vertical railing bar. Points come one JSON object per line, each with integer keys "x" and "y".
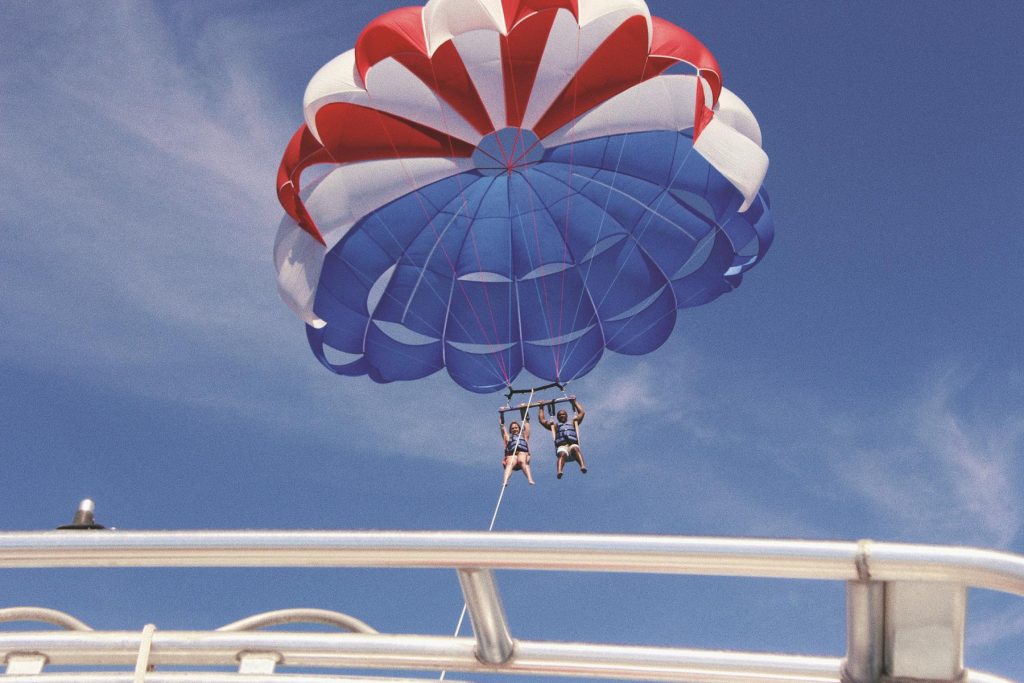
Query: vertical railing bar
{"x": 865, "y": 632}
{"x": 494, "y": 643}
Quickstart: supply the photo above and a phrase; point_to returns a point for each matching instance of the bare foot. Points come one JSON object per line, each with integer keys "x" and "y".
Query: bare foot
{"x": 532, "y": 482}
{"x": 583, "y": 470}
{"x": 559, "y": 475}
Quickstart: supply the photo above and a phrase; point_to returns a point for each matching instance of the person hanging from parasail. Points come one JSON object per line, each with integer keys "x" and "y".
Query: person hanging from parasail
{"x": 566, "y": 436}
{"x": 517, "y": 448}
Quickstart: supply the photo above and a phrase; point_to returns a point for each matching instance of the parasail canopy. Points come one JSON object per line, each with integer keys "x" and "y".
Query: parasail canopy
{"x": 514, "y": 184}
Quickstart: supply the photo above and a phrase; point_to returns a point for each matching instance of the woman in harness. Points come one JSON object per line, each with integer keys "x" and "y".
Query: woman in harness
{"x": 517, "y": 448}
{"x": 566, "y": 435}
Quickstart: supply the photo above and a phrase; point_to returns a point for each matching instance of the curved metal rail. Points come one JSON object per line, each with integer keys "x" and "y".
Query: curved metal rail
{"x": 906, "y": 606}
{"x": 829, "y": 560}
{"x": 279, "y": 617}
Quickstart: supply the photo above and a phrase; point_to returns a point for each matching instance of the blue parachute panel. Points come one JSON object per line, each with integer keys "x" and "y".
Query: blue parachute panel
{"x": 575, "y": 356}
{"x": 592, "y": 245}
{"x": 319, "y": 338}
{"x": 418, "y": 299}
{"x": 646, "y": 328}
{"x": 481, "y": 370}
{"x": 554, "y": 307}
{"x": 622, "y": 277}
{"x": 707, "y": 281}
{"x": 346, "y": 328}
{"x": 394, "y": 360}
{"x": 482, "y": 313}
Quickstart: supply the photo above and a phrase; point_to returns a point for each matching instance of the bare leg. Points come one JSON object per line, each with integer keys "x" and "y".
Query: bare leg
{"x": 560, "y": 463}
{"x": 508, "y": 471}
{"x": 526, "y": 471}
{"x": 579, "y": 457}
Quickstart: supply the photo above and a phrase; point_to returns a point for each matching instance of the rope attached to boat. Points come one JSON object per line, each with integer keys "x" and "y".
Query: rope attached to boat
{"x": 490, "y": 527}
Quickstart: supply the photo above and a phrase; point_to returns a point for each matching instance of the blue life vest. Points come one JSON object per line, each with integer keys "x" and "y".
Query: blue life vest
{"x": 516, "y": 444}
{"x": 565, "y": 434}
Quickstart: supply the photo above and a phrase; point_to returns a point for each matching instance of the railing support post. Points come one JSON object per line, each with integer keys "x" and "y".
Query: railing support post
{"x": 924, "y": 630}
{"x": 865, "y": 632}
{"x": 493, "y": 640}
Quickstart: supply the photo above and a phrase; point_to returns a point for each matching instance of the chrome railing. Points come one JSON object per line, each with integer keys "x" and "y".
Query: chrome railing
{"x": 906, "y": 607}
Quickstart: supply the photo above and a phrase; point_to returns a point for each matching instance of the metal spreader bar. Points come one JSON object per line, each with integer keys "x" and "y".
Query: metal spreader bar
{"x": 536, "y": 404}
{"x": 553, "y": 385}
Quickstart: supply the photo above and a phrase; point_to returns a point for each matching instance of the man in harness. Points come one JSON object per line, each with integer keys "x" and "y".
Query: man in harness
{"x": 566, "y": 435}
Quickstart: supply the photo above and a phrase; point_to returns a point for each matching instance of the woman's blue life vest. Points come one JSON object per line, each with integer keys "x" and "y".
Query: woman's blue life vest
{"x": 565, "y": 433}
{"x": 517, "y": 444}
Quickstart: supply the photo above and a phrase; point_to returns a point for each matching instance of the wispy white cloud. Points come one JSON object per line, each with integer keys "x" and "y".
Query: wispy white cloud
{"x": 924, "y": 465}
{"x": 670, "y": 388}
{"x": 140, "y": 201}
{"x": 943, "y": 471}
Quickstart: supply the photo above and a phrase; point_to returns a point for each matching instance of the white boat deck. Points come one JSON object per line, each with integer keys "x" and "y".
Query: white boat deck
{"x": 906, "y": 608}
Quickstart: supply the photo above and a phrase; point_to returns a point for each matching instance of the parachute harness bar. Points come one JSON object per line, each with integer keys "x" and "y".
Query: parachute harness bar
{"x": 566, "y": 398}
{"x": 531, "y": 392}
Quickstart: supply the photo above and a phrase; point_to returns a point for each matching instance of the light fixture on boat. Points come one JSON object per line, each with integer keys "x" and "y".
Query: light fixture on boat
{"x": 84, "y": 518}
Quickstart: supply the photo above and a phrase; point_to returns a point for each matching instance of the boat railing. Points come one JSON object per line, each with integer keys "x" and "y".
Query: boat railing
{"x": 905, "y": 608}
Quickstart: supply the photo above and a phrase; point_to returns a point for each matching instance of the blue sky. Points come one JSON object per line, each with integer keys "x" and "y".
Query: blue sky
{"x": 866, "y": 380}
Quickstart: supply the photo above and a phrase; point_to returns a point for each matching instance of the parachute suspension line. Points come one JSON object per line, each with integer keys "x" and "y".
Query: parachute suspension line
{"x": 554, "y": 331}
{"x": 568, "y": 214}
{"x": 634, "y": 237}
{"x": 515, "y": 313}
{"x": 414, "y": 189}
{"x": 605, "y": 216}
{"x": 569, "y": 192}
{"x": 505, "y": 371}
{"x": 500, "y": 362}
{"x": 503, "y": 366}
{"x": 502, "y": 371}
{"x": 540, "y": 283}
{"x": 650, "y": 215}
{"x": 437, "y": 242}
{"x": 651, "y": 212}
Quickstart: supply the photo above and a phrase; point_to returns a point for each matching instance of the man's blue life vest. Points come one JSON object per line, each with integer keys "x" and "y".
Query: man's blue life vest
{"x": 565, "y": 433}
